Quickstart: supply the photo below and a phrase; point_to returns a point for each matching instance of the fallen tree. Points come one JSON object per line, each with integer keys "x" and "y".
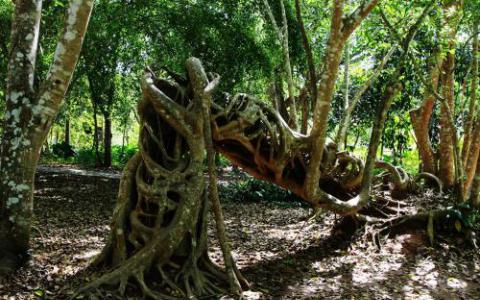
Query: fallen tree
{"x": 158, "y": 236}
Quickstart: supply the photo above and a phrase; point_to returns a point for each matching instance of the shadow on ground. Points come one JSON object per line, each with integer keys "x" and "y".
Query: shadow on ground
{"x": 281, "y": 254}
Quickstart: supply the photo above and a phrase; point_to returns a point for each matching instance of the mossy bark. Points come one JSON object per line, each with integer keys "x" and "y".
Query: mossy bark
{"x": 29, "y": 116}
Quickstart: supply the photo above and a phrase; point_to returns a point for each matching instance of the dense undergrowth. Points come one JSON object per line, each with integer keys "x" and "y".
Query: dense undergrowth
{"x": 86, "y": 157}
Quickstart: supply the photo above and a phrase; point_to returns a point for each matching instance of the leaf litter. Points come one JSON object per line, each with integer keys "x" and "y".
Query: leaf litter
{"x": 282, "y": 254}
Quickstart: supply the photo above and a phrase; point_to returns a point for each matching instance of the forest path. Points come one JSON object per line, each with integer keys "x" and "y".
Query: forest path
{"x": 282, "y": 255}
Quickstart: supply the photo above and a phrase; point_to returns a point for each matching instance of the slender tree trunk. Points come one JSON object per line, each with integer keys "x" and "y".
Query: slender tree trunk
{"x": 345, "y": 122}
{"x": 282, "y": 35}
{"x": 421, "y": 120}
{"x": 311, "y": 65}
{"x": 205, "y": 97}
{"x": 30, "y": 115}
{"x": 471, "y": 146}
{"x": 473, "y": 97}
{"x": 67, "y": 131}
{"x": 107, "y": 140}
{"x": 346, "y": 91}
{"x": 288, "y": 69}
{"x": 452, "y": 11}
{"x": 303, "y": 100}
{"x": 475, "y": 192}
{"x": 446, "y": 147}
{"x": 340, "y": 30}
{"x": 96, "y": 134}
{"x": 124, "y": 138}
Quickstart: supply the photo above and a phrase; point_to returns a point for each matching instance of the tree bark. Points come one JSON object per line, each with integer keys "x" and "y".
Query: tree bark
{"x": 446, "y": 149}
{"x": 471, "y": 145}
{"x": 18, "y": 157}
{"x": 29, "y": 117}
{"x": 342, "y": 142}
{"x": 420, "y": 118}
{"x": 107, "y": 140}
{"x": 341, "y": 28}
{"x": 282, "y": 35}
{"x": 159, "y": 230}
{"x": 311, "y": 67}
{"x": 67, "y": 131}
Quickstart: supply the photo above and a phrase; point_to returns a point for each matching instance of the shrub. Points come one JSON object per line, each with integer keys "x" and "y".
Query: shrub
{"x": 254, "y": 190}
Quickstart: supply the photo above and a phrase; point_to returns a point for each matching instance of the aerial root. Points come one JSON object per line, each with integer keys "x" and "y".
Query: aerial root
{"x": 431, "y": 179}
{"x": 402, "y": 183}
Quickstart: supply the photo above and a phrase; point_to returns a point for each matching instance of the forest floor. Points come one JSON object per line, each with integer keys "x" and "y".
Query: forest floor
{"x": 284, "y": 256}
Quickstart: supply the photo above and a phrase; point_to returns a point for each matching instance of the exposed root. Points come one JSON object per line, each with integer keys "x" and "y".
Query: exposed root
{"x": 158, "y": 240}
{"x": 431, "y": 179}
{"x": 403, "y": 184}
{"x": 447, "y": 221}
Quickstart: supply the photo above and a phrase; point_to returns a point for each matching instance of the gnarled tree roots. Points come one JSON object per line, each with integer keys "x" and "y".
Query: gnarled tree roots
{"x": 158, "y": 239}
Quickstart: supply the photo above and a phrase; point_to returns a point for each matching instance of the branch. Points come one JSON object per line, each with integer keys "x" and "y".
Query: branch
{"x": 309, "y": 55}
{"x": 202, "y": 89}
{"x": 405, "y": 42}
{"x": 172, "y": 112}
{"x": 274, "y": 22}
{"x": 24, "y": 39}
{"x": 356, "y": 17}
{"x": 331, "y": 62}
{"x": 64, "y": 62}
{"x": 342, "y": 131}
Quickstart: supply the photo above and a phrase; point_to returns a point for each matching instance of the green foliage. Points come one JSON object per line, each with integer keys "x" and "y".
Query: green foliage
{"x": 85, "y": 157}
{"x": 254, "y": 190}
{"x": 6, "y": 8}
{"x": 63, "y": 150}
{"x": 468, "y": 216}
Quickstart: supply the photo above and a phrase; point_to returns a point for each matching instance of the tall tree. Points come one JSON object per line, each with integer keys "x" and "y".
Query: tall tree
{"x": 29, "y": 116}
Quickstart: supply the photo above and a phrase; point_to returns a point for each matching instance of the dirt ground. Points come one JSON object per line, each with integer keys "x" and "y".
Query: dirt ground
{"x": 283, "y": 256}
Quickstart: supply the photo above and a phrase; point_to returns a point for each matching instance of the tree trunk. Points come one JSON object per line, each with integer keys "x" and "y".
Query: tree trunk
{"x": 282, "y": 35}
{"x": 469, "y": 124}
{"x": 311, "y": 66}
{"x": 420, "y": 118}
{"x": 18, "y": 158}
{"x": 341, "y": 29}
{"x": 29, "y": 117}
{"x": 159, "y": 229}
{"x": 96, "y": 135}
{"x": 107, "y": 140}
{"x": 475, "y": 192}
{"x": 342, "y": 142}
{"x": 471, "y": 145}
{"x": 446, "y": 155}
{"x": 124, "y": 140}
{"x": 67, "y": 131}
{"x": 452, "y": 15}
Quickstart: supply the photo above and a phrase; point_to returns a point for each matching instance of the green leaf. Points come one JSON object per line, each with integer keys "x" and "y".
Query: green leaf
{"x": 39, "y": 292}
{"x": 458, "y": 225}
